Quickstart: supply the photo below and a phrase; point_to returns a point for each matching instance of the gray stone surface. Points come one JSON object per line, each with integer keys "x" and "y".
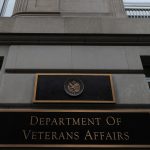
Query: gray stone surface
{"x": 144, "y": 50}
{"x": 56, "y": 24}
{"x": 83, "y": 25}
{"x": 21, "y": 6}
{"x": 133, "y": 57}
{"x": 103, "y": 7}
{"x": 126, "y": 26}
{"x": 105, "y": 25}
{"x": 85, "y": 6}
{"x": 76, "y": 57}
{"x": 6, "y": 24}
{"x": 76, "y": 16}
{"x": 3, "y": 52}
{"x": 38, "y": 25}
{"x": 43, "y": 6}
{"x": 129, "y": 89}
{"x": 39, "y": 57}
{"x": 98, "y": 57}
{"x": 16, "y": 88}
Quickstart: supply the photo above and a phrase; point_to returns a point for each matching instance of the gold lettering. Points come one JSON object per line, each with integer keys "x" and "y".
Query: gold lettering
{"x": 48, "y": 121}
{"x": 84, "y": 122}
{"x": 76, "y": 122}
{"x": 61, "y": 121}
{"x": 42, "y": 121}
{"x": 88, "y": 135}
{"x": 40, "y": 135}
{"x": 61, "y": 136}
{"x": 108, "y": 136}
{"x": 69, "y": 136}
{"x": 68, "y": 121}
{"x": 54, "y": 137}
{"x": 33, "y": 120}
{"x": 34, "y": 135}
{"x": 76, "y": 136}
{"x": 110, "y": 121}
{"x": 47, "y": 135}
{"x": 101, "y": 135}
{"x": 126, "y": 136}
{"x": 26, "y": 134}
{"x": 54, "y": 122}
{"x": 114, "y": 136}
{"x": 118, "y": 121}
{"x": 120, "y": 136}
{"x": 98, "y": 120}
{"x": 91, "y": 121}
{"x": 96, "y": 134}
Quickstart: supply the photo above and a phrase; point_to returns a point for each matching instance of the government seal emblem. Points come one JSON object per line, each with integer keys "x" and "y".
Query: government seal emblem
{"x": 74, "y": 87}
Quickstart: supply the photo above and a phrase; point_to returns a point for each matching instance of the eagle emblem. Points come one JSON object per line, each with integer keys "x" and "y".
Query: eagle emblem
{"x": 74, "y": 87}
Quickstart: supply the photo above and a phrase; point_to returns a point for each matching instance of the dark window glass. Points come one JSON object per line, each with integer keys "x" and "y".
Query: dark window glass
{"x": 149, "y": 84}
{"x": 1, "y": 61}
{"x": 146, "y": 65}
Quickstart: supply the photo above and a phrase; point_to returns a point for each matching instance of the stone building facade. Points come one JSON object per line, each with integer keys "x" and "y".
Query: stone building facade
{"x": 74, "y": 36}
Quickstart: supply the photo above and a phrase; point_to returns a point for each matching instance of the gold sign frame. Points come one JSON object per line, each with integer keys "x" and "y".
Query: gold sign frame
{"x": 74, "y": 101}
{"x": 75, "y": 145}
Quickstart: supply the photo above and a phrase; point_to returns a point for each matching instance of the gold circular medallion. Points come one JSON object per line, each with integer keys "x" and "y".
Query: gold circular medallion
{"x": 74, "y": 87}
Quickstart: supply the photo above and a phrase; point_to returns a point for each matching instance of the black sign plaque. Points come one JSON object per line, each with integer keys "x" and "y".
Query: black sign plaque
{"x": 73, "y": 88}
{"x": 75, "y": 128}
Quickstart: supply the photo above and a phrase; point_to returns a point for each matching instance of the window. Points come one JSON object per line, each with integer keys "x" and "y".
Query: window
{"x": 146, "y": 66}
{"x": 137, "y": 8}
{"x": 1, "y": 61}
{"x": 6, "y": 7}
